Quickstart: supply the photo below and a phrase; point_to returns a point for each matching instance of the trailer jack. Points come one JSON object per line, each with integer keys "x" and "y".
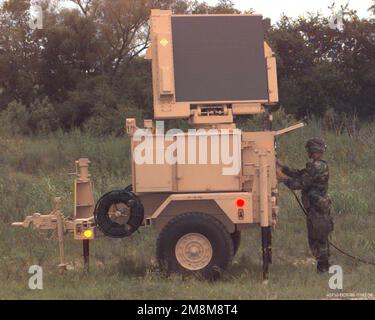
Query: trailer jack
{"x": 81, "y": 225}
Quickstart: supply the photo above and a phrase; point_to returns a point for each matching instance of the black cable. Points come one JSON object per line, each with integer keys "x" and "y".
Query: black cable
{"x": 331, "y": 243}
{"x": 129, "y": 188}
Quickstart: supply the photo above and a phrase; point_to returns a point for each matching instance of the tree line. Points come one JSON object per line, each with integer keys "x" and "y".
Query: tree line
{"x": 85, "y": 67}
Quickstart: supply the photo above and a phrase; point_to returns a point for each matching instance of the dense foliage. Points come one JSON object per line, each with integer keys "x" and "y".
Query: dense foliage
{"x": 85, "y": 67}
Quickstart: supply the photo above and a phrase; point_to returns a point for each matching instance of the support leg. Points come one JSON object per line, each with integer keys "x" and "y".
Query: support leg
{"x": 266, "y": 250}
{"x": 86, "y": 254}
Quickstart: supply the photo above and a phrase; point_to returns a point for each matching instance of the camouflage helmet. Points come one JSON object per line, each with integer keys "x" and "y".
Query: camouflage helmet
{"x": 315, "y": 145}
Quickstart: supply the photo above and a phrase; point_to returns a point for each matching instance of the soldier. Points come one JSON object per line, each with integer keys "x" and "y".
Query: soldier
{"x": 313, "y": 182}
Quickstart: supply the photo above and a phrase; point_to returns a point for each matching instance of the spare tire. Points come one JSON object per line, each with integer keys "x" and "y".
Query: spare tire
{"x": 131, "y": 213}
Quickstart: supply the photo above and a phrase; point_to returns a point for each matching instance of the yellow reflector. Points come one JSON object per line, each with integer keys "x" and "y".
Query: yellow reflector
{"x": 164, "y": 42}
{"x": 87, "y": 234}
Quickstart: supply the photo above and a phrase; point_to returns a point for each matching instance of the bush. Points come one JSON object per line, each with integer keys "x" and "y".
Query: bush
{"x": 38, "y": 118}
{"x": 43, "y": 117}
{"x": 15, "y": 119}
{"x": 110, "y": 121}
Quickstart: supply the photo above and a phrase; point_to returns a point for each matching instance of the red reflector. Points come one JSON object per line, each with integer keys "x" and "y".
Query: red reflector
{"x": 240, "y": 203}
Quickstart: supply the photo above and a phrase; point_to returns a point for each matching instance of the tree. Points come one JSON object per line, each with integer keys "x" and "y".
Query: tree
{"x": 320, "y": 68}
{"x": 18, "y": 53}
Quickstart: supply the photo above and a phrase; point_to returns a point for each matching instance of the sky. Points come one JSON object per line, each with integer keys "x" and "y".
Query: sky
{"x": 274, "y": 8}
{"x": 294, "y": 8}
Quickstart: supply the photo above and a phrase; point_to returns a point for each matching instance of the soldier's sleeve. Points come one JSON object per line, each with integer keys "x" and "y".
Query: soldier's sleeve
{"x": 293, "y": 173}
{"x": 306, "y": 177}
{"x": 295, "y": 183}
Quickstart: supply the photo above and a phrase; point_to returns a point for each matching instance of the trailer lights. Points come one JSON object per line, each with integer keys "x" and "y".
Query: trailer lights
{"x": 87, "y": 234}
{"x": 240, "y": 203}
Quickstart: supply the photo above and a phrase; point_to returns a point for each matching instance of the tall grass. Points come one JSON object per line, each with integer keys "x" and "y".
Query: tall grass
{"x": 33, "y": 170}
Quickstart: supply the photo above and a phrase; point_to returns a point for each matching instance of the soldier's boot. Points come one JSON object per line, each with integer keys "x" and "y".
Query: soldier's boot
{"x": 323, "y": 266}
{"x": 323, "y": 257}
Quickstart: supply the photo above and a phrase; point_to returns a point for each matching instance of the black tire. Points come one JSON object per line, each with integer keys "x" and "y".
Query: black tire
{"x": 195, "y": 222}
{"x": 236, "y": 238}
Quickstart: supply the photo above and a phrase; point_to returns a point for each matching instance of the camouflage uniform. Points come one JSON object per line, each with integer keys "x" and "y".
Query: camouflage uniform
{"x": 313, "y": 182}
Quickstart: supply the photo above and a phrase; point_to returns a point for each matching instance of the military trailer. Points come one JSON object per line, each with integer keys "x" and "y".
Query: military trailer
{"x": 207, "y": 70}
{"x": 199, "y": 188}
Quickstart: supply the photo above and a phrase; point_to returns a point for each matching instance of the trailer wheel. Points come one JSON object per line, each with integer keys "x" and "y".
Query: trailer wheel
{"x": 195, "y": 243}
{"x": 236, "y": 238}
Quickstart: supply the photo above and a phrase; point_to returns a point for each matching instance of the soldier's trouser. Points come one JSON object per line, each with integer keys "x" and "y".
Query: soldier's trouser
{"x": 319, "y": 226}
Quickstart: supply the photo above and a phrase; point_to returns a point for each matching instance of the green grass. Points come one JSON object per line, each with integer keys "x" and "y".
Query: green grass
{"x": 34, "y": 170}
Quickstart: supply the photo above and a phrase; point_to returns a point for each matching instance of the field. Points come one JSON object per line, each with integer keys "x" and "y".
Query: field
{"x": 33, "y": 170}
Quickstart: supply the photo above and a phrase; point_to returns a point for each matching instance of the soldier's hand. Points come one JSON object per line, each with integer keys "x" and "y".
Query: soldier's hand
{"x": 279, "y": 172}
